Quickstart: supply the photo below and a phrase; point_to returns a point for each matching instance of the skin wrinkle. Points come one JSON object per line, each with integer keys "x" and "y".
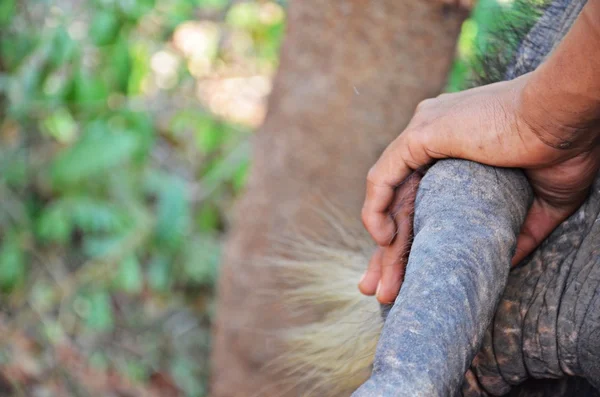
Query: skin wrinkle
{"x": 586, "y": 315}
{"x": 573, "y": 334}
{"x": 556, "y": 142}
{"x": 524, "y": 300}
{"x": 438, "y": 256}
{"x": 513, "y": 374}
{"x": 546, "y": 307}
{"x": 555, "y": 339}
{"x": 533, "y": 345}
{"x": 587, "y": 347}
{"x": 409, "y": 160}
{"x": 529, "y": 311}
{"x": 556, "y": 322}
{"x": 589, "y": 233}
{"x": 570, "y": 367}
{"x": 574, "y": 227}
{"x": 485, "y": 366}
{"x": 526, "y": 305}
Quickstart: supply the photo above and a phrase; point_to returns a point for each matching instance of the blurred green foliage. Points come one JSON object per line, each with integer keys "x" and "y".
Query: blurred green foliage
{"x": 487, "y": 40}
{"x": 116, "y": 178}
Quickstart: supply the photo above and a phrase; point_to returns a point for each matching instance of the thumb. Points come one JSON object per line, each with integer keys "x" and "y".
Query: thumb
{"x": 540, "y": 221}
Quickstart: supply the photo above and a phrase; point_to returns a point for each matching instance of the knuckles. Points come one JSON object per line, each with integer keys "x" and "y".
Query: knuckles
{"x": 423, "y": 105}
{"x": 372, "y": 222}
{"x": 369, "y": 221}
{"x": 372, "y": 176}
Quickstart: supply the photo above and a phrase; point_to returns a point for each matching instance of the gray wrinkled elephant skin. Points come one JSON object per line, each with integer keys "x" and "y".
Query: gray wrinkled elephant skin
{"x": 462, "y": 325}
{"x": 450, "y": 286}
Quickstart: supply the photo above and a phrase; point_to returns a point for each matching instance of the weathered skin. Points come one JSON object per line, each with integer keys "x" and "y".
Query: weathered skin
{"x": 435, "y": 327}
{"x": 547, "y": 321}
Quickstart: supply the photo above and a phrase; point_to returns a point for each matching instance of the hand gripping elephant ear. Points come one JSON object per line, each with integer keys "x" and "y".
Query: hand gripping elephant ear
{"x": 462, "y": 325}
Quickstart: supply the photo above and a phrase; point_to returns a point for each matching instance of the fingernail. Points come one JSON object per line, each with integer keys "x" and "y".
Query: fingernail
{"x": 378, "y": 289}
{"x": 362, "y": 278}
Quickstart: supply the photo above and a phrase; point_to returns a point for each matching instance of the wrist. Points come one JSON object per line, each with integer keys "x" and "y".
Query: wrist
{"x": 561, "y": 98}
{"x": 561, "y": 118}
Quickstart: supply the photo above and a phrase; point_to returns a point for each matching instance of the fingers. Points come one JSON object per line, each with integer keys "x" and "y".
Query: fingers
{"x": 395, "y": 256}
{"x": 375, "y": 216}
{"x": 369, "y": 281}
{"x": 394, "y": 166}
{"x": 560, "y": 190}
{"x": 540, "y": 221}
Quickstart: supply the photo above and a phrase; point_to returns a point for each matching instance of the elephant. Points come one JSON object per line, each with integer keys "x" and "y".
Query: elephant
{"x": 464, "y": 323}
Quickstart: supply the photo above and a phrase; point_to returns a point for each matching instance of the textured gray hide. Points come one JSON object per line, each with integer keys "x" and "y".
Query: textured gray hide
{"x": 454, "y": 309}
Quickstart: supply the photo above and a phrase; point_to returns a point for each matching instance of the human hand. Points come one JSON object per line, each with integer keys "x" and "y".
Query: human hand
{"x": 502, "y": 124}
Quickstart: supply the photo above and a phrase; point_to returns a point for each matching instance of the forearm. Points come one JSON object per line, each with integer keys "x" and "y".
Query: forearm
{"x": 563, "y": 94}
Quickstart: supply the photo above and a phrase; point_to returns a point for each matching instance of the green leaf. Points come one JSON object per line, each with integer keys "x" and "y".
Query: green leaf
{"x": 218, "y": 4}
{"x": 140, "y": 68}
{"x": 136, "y": 9}
{"x": 12, "y": 263}
{"x": 468, "y": 36}
{"x": 244, "y": 15}
{"x": 28, "y": 83}
{"x": 56, "y": 221}
{"x": 96, "y": 247}
{"x": 224, "y": 169}
{"x": 105, "y": 27}
{"x": 120, "y": 65}
{"x": 14, "y": 167}
{"x": 134, "y": 370}
{"x": 159, "y": 273}
{"x": 209, "y": 136}
{"x": 15, "y": 49}
{"x": 201, "y": 261}
{"x": 141, "y": 125}
{"x": 7, "y": 11}
{"x": 98, "y": 150}
{"x": 89, "y": 90}
{"x": 64, "y": 48}
{"x": 57, "y": 88}
{"x": 173, "y": 213}
{"x": 238, "y": 180}
{"x": 458, "y": 75}
{"x": 54, "y": 225}
{"x": 61, "y": 126}
{"x": 129, "y": 276}
{"x": 209, "y": 133}
{"x": 100, "y": 316}
{"x": 208, "y": 218}
{"x": 95, "y": 216}
{"x": 182, "y": 370}
{"x": 178, "y": 12}
{"x": 271, "y": 43}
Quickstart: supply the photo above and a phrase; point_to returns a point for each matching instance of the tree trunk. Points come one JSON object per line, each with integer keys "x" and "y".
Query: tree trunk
{"x": 351, "y": 74}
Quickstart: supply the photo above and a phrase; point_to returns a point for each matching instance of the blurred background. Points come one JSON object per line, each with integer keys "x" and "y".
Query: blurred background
{"x": 125, "y": 130}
